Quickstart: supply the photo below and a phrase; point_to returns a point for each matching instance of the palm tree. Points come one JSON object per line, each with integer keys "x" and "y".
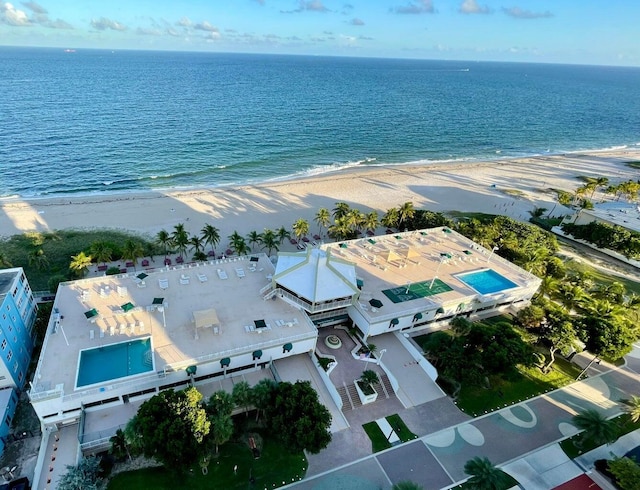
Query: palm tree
{"x": 80, "y": 263}
{"x": 165, "y": 241}
{"x": 300, "y": 228}
{"x": 405, "y": 213}
{"x": 261, "y": 394}
{"x": 119, "y": 447}
{"x": 368, "y": 378}
{"x": 211, "y": 236}
{"x": 242, "y": 395}
{"x": 562, "y": 197}
{"x": 339, "y": 230}
{"x": 485, "y": 476}
{"x": 238, "y": 243}
{"x": 632, "y": 407}
{"x": 595, "y": 427}
{"x": 390, "y": 218}
{"x": 406, "y": 485}
{"x": 571, "y": 295}
{"x": 323, "y": 219}
{"x": 341, "y": 210}
{"x": 254, "y": 238}
{"x": 197, "y": 244}
{"x": 38, "y": 259}
{"x": 221, "y": 429}
{"x": 132, "y": 250}
{"x": 180, "y": 239}
{"x": 282, "y": 234}
{"x": 101, "y": 252}
{"x": 371, "y": 221}
{"x": 355, "y": 220}
{"x": 600, "y": 183}
{"x": 269, "y": 241}
{"x": 548, "y": 286}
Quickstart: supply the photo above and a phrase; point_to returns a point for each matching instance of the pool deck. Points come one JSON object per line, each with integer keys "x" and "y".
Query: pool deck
{"x": 399, "y": 260}
{"x": 231, "y": 287}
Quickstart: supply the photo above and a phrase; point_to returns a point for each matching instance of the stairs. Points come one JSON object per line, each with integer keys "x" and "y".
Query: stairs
{"x": 350, "y": 398}
{"x": 386, "y": 385}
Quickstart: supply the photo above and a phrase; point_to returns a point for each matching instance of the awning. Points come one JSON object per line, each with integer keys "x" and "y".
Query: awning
{"x": 371, "y": 241}
{"x": 127, "y": 307}
{"x": 206, "y": 318}
{"x": 440, "y": 311}
{"x": 376, "y": 303}
{"x": 142, "y": 276}
{"x": 191, "y": 370}
{"x": 158, "y": 301}
{"x": 417, "y": 316}
{"x": 359, "y": 283}
{"x": 467, "y": 252}
{"x": 254, "y": 259}
{"x": 91, "y": 313}
{"x": 411, "y": 253}
{"x": 389, "y": 256}
{"x": 394, "y": 321}
{"x": 257, "y": 354}
{"x": 225, "y": 361}
{"x": 287, "y": 347}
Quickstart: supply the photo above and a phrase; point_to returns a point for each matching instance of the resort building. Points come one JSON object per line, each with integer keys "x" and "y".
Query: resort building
{"x": 114, "y": 341}
{"x": 614, "y": 213}
{"x": 18, "y": 315}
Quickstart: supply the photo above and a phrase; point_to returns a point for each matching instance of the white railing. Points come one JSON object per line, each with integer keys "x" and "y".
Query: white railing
{"x": 313, "y": 308}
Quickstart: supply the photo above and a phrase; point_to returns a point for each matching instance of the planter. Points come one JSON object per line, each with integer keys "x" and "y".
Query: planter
{"x": 364, "y": 399}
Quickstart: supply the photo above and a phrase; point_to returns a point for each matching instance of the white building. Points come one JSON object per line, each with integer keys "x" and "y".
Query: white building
{"x": 113, "y": 340}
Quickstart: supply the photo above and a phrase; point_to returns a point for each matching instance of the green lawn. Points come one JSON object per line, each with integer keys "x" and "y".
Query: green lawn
{"x": 276, "y": 467}
{"x": 379, "y": 440}
{"x": 601, "y": 277}
{"x": 58, "y": 247}
{"x": 633, "y": 164}
{"x": 478, "y": 400}
{"x": 573, "y": 451}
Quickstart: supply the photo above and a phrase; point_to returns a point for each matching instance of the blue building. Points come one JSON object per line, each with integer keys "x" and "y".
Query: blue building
{"x": 17, "y": 317}
{"x": 8, "y": 403}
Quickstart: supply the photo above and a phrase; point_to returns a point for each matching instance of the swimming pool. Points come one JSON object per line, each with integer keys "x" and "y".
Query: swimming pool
{"x": 114, "y": 361}
{"x": 486, "y": 281}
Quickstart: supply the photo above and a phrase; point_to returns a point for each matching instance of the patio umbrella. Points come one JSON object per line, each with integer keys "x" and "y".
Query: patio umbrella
{"x": 91, "y": 313}
{"x": 376, "y": 303}
{"x": 142, "y": 276}
{"x": 127, "y": 307}
{"x": 158, "y": 301}
{"x": 440, "y": 311}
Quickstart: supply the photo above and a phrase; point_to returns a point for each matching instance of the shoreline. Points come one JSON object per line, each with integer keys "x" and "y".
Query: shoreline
{"x": 470, "y": 186}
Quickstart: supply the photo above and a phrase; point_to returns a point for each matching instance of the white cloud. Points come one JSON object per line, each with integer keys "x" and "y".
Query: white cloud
{"x": 307, "y": 5}
{"x": 184, "y": 22}
{"x": 12, "y": 16}
{"x": 472, "y": 7}
{"x": 419, "y": 7}
{"x": 519, "y": 13}
{"x": 103, "y": 24}
{"x": 35, "y": 8}
{"x": 356, "y": 22}
{"x": 206, "y": 26}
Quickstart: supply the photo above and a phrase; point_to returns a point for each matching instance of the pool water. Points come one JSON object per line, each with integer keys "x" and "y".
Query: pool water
{"x": 486, "y": 281}
{"x": 115, "y": 361}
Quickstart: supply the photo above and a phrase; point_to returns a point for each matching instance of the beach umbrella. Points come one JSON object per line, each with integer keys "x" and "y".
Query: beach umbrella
{"x": 376, "y": 303}
{"x": 142, "y": 276}
{"x": 127, "y": 307}
{"x": 92, "y": 313}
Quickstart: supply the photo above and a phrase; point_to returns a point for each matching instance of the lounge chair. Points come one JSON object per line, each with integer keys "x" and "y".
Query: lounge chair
{"x": 163, "y": 283}
{"x": 202, "y": 278}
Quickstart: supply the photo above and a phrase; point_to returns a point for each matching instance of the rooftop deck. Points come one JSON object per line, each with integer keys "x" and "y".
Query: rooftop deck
{"x": 397, "y": 261}
{"x": 231, "y": 287}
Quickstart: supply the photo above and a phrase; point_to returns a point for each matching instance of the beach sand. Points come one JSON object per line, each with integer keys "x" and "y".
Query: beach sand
{"x": 479, "y": 187}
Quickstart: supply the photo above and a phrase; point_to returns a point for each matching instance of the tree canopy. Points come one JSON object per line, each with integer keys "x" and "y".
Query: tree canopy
{"x": 171, "y": 427}
{"x": 296, "y": 416}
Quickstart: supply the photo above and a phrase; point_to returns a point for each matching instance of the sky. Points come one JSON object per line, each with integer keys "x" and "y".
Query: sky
{"x": 598, "y": 32}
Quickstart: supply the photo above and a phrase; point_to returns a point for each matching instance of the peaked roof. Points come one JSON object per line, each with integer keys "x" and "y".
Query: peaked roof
{"x": 316, "y": 275}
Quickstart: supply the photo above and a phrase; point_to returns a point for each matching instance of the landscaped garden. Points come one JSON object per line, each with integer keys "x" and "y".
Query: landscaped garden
{"x": 380, "y": 441}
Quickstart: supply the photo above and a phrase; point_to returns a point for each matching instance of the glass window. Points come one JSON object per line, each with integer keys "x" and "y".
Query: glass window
{"x": 4, "y": 344}
{"x": 9, "y": 356}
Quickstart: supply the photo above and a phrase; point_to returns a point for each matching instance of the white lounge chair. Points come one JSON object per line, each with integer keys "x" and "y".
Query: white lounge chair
{"x": 163, "y": 283}
{"x": 202, "y": 278}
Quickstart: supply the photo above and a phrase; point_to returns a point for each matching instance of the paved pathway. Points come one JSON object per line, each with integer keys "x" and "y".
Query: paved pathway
{"x": 437, "y": 460}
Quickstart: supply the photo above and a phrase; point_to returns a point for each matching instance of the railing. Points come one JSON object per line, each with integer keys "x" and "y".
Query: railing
{"x": 315, "y": 308}
{"x": 100, "y": 435}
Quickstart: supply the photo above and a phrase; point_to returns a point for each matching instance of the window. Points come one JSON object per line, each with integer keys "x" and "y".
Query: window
{"x": 9, "y": 355}
{"x": 15, "y": 291}
{"x": 15, "y": 367}
{"x": 4, "y": 344}
{"x": 10, "y": 328}
{"x": 20, "y": 376}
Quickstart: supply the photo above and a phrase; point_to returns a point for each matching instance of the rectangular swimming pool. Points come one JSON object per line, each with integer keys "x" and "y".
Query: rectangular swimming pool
{"x": 486, "y": 281}
{"x": 115, "y": 361}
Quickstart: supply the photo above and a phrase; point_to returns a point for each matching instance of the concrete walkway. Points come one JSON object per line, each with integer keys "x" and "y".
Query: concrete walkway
{"x": 505, "y": 436}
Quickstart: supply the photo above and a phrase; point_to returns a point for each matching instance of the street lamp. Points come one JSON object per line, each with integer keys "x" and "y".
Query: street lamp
{"x": 442, "y": 259}
{"x": 381, "y": 354}
{"x": 492, "y": 251}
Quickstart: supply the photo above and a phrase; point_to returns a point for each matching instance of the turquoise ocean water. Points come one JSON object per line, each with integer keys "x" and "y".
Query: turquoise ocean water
{"x": 103, "y": 121}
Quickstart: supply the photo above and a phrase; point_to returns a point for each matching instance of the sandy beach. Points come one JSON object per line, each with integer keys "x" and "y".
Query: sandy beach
{"x": 480, "y": 187}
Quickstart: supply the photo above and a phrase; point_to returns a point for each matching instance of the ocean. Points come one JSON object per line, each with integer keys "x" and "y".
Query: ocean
{"x": 96, "y": 121}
